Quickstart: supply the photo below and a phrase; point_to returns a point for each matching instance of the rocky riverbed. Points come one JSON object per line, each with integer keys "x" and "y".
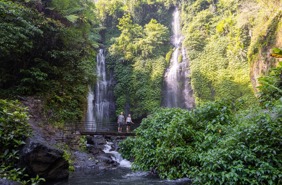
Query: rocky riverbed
{"x": 44, "y": 152}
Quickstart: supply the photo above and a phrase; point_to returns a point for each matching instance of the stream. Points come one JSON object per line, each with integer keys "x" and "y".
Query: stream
{"x": 118, "y": 176}
{"x": 121, "y": 175}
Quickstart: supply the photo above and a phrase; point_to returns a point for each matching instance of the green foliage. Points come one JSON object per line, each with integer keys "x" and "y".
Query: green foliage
{"x": 264, "y": 37}
{"x": 124, "y": 46}
{"x": 217, "y": 39}
{"x": 137, "y": 57}
{"x": 139, "y": 85}
{"x": 67, "y": 155}
{"x": 146, "y": 85}
{"x": 254, "y": 158}
{"x": 206, "y": 144}
{"x": 221, "y": 38}
{"x": 17, "y": 29}
{"x": 82, "y": 143}
{"x": 135, "y": 40}
{"x": 276, "y": 52}
{"x": 168, "y": 56}
{"x": 14, "y": 129}
{"x": 169, "y": 139}
{"x": 137, "y": 36}
{"x": 270, "y": 88}
{"x": 49, "y": 53}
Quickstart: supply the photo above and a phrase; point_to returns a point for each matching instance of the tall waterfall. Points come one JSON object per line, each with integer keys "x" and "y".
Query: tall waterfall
{"x": 177, "y": 88}
{"x": 100, "y": 103}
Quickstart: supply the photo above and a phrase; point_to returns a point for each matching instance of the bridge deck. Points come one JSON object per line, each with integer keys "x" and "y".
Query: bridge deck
{"x": 105, "y": 129}
{"x": 107, "y": 133}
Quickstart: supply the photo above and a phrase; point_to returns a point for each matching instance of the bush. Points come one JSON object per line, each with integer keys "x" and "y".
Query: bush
{"x": 13, "y": 130}
{"x": 168, "y": 140}
{"x": 249, "y": 154}
{"x": 210, "y": 144}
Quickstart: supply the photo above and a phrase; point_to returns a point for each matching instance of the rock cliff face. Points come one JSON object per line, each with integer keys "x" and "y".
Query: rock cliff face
{"x": 261, "y": 67}
{"x": 41, "y": 159}
{"x": 39, "y": 156}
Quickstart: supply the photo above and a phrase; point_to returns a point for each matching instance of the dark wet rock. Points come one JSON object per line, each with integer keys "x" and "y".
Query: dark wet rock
{"x": 84, "y": 160}
{"x": 93, "y": 150}
{"x": 89, "y": 140}
{"x": 106, "y": 160}
{"x": 41, "y": 159}
{"x": 8, "y": 182}
{"x": 99, "y": 141}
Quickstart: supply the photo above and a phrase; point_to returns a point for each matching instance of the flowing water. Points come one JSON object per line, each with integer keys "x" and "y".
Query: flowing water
{"x": 117, "y": 156}
{"x": 177, "y": 89}
{"x": 121, "y": 175}
{"x": 100, "y": 98}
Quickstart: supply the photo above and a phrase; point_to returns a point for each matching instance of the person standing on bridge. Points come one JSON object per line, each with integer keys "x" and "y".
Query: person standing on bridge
{"x": 128, "y": 123}
{"x": 120, "y": 121}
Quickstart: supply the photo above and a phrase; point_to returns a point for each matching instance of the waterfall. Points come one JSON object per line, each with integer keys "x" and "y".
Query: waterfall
{"x": 100, "y": 98}
{"x": 102, "y": 104}
{"x": 177, "y": 89}
{"x": 90, "y": 124}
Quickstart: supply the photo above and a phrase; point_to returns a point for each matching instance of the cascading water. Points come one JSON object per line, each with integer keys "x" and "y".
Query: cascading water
{"x": 100, "y": 103}
{"x": 116, "y": 156}
{"x": 177, "y": 89}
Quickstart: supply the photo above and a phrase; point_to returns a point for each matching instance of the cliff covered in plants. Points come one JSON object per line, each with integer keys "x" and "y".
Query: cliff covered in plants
{"x": 229, "y": 44}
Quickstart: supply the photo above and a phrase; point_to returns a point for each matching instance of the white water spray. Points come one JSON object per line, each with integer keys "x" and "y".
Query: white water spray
{"x": 117, "y": 156}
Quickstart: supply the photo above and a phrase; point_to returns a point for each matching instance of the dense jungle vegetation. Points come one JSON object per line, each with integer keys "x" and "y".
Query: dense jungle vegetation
{"x": 48, "y": 50}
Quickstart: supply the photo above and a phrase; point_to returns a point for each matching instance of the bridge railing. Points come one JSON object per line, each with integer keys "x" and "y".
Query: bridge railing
{"x": 92, "y": 126}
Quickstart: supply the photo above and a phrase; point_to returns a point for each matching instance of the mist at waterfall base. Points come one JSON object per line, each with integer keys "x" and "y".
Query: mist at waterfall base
{"x": 122, "y": 175}
{"x": 177, "y": 91}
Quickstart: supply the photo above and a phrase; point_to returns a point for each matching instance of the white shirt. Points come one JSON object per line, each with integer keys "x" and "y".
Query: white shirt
{"x": 128, "y": 119}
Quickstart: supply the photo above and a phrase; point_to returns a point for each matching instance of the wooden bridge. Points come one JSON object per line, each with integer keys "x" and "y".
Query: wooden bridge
{"x": 106, "y": 128}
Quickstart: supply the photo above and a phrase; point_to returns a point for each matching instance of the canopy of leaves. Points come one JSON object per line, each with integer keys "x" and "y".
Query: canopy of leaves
{"x": 135, "y": 40}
